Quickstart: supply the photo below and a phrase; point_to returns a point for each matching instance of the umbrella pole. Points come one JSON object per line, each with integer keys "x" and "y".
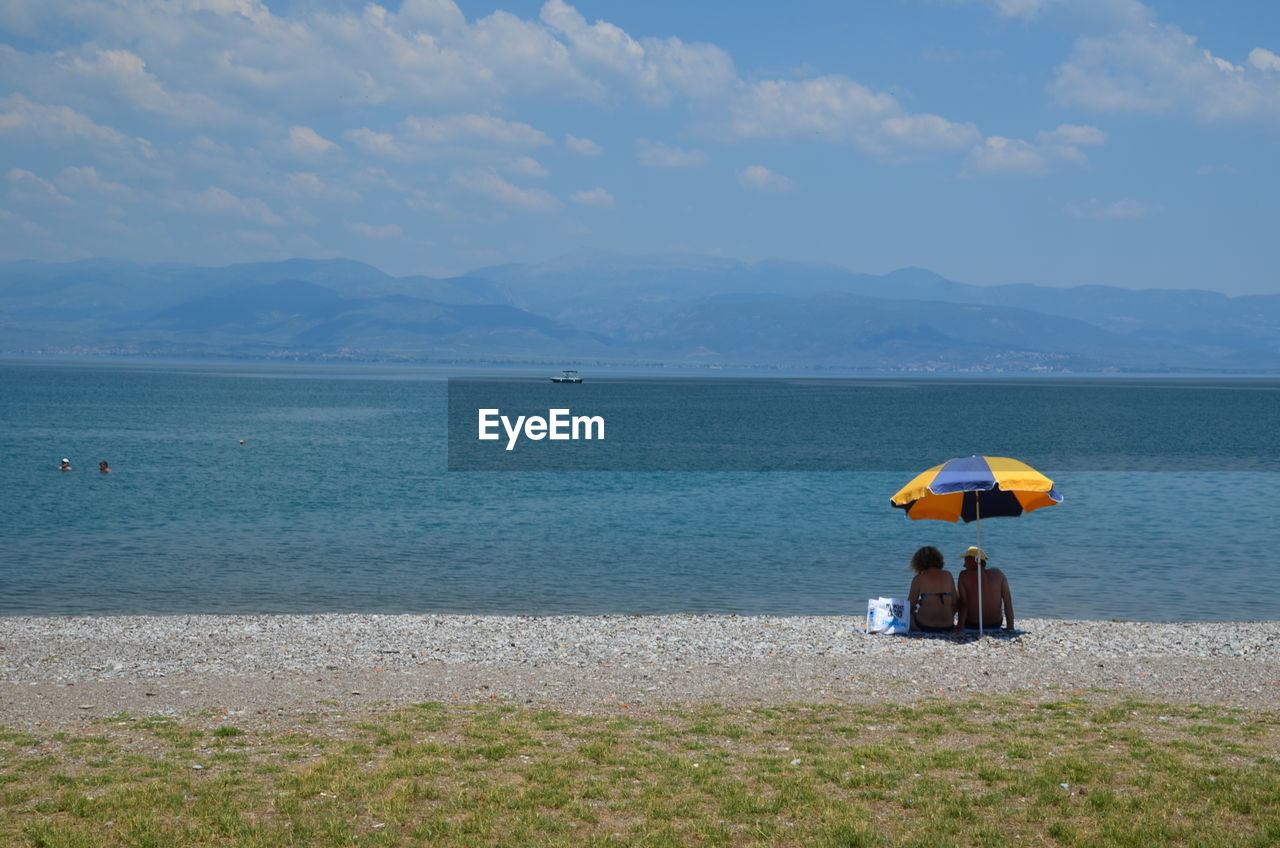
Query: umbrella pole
{"x": 977, "y": 511}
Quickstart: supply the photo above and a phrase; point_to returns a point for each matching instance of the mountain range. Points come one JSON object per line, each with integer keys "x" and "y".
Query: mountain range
{"x": 612, "y": 308}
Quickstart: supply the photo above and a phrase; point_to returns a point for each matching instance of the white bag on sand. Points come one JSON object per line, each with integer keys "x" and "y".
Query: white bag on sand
{"x": 887, "y": 615}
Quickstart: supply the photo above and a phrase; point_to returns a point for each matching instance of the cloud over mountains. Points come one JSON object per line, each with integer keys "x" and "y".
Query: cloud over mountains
{"x": 234, "y": 128}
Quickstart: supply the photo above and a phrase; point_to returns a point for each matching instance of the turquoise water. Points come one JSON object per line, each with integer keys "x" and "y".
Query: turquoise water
{"x": 340, "y": 500}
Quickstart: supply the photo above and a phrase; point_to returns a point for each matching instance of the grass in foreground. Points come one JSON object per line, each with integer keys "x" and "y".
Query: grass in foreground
{"x": 994, "y": 771}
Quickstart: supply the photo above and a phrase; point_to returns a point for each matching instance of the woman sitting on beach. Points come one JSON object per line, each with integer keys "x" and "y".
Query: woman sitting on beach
{"x": 932, "y": 597}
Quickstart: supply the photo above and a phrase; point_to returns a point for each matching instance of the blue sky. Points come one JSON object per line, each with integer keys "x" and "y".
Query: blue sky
{"x": 1060, "y": 142}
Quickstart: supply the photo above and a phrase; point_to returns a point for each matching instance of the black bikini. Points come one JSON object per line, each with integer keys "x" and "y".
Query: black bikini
{"x": 926, "y": 628}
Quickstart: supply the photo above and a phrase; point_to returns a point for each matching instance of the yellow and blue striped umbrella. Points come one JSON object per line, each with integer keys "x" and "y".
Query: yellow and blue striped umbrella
{"x": 976, "y": 487}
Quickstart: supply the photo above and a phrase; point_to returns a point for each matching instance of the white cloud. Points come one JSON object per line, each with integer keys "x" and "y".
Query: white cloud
{"x": 837, "y": 109}
{"x": 827, "y": 106}
{"x": 447, "y": 129}
{"x": 761, "y": 179}
{"x": 307, "y": 184}
{"x": 656, "y": 154}
{"x": 1025, "y": 9}
{"x": 373, "y": 231}
{"x": 1075, "y": 135}
{"x": 419, "y": 87}
{"x": 86, "y": 180}
{"x": 1115, "y": 209}
{"x": 61, "y": 124}
{"x": 377, "y": 178}
{"x": 417, "y": 137}
{"x": 1014, "y": 156}
{"x": 656, "y": 68}
{"x": 601, "y": 43}
{"x": 597, "y": 197}
{"x": 381, "y": 144}
{"x": 924, "y": 132}
{"x": 124, "y": 74}
{"x": 488, "y": 184}
{"x": 1064, "y": 142}
{"x": 502, "y": 53}
{"x": 1007, "y": 155}
{"x": 432, "y": 15}
{"x": 1132, "y": 63}
{"x": 525, "y": 166}
{"x": 1264, "y": 60}
{"x": 306, "y": 143}
{"x": 28, "y": 188}
{"x": 216, "y": 201}
{"x": 313, "y": 54}
{"x": 31, "y": 228}
{"x": 1103, "y": 14}
{"x": 695, "y": 70}
{"x": 14, "y": 223}
{"x": 420, "y": 201}
{"x": 582, "y": 146}
{"x": 254, "y": 10}
{"x": 1158, "y": 69}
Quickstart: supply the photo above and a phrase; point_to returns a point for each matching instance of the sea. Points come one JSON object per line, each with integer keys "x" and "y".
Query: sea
{"x": 283, "y": 487}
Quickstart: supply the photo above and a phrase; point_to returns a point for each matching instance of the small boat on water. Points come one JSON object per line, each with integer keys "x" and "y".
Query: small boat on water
{"x": 568, "y": 377}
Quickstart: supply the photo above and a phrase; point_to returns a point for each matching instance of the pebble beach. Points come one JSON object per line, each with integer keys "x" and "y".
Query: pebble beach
{"x": 267, "y": 669}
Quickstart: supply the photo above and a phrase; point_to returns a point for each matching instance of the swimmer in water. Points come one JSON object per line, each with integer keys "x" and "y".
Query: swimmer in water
{"x": 65, "y": 465}
{"x": 103, "y": 467}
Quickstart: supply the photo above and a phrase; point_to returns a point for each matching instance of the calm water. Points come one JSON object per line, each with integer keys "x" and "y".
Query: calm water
{"x": 340, "y": 501}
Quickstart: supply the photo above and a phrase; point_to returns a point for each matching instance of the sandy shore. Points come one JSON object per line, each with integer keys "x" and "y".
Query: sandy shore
{"x": 270, "y": 669}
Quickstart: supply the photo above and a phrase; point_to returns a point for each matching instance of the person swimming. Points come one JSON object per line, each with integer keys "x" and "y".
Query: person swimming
{"x": 65, "y": 465}
{"x": 103, "y": 467}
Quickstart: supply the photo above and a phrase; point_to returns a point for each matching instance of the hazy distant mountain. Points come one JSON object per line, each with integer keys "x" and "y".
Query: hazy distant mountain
{"x": 831, "y": 329}
{"x": 628, "y": 296}
{"x": 602, "y": 281}
{"x": 252, "y": 309}
{"x": 93, "y": 285}
{"x": 308, "y": 317}
{"x": 258, "y": 308}
{"x": 605, "y": 306}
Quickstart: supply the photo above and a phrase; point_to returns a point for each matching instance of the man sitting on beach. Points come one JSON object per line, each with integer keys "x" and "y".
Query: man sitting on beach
{"x": 995, "y": 593}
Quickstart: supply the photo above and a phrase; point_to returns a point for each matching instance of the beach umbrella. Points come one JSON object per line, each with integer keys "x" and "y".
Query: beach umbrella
{"x": 972, "y": 488}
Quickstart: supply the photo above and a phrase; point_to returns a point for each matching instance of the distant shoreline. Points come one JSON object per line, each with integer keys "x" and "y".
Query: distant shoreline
{"x": 61, "y": 670}
{"x": 614, "y": 369}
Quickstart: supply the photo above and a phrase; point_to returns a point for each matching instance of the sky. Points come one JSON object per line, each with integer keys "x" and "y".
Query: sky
{"x": 1057, "y": 142}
